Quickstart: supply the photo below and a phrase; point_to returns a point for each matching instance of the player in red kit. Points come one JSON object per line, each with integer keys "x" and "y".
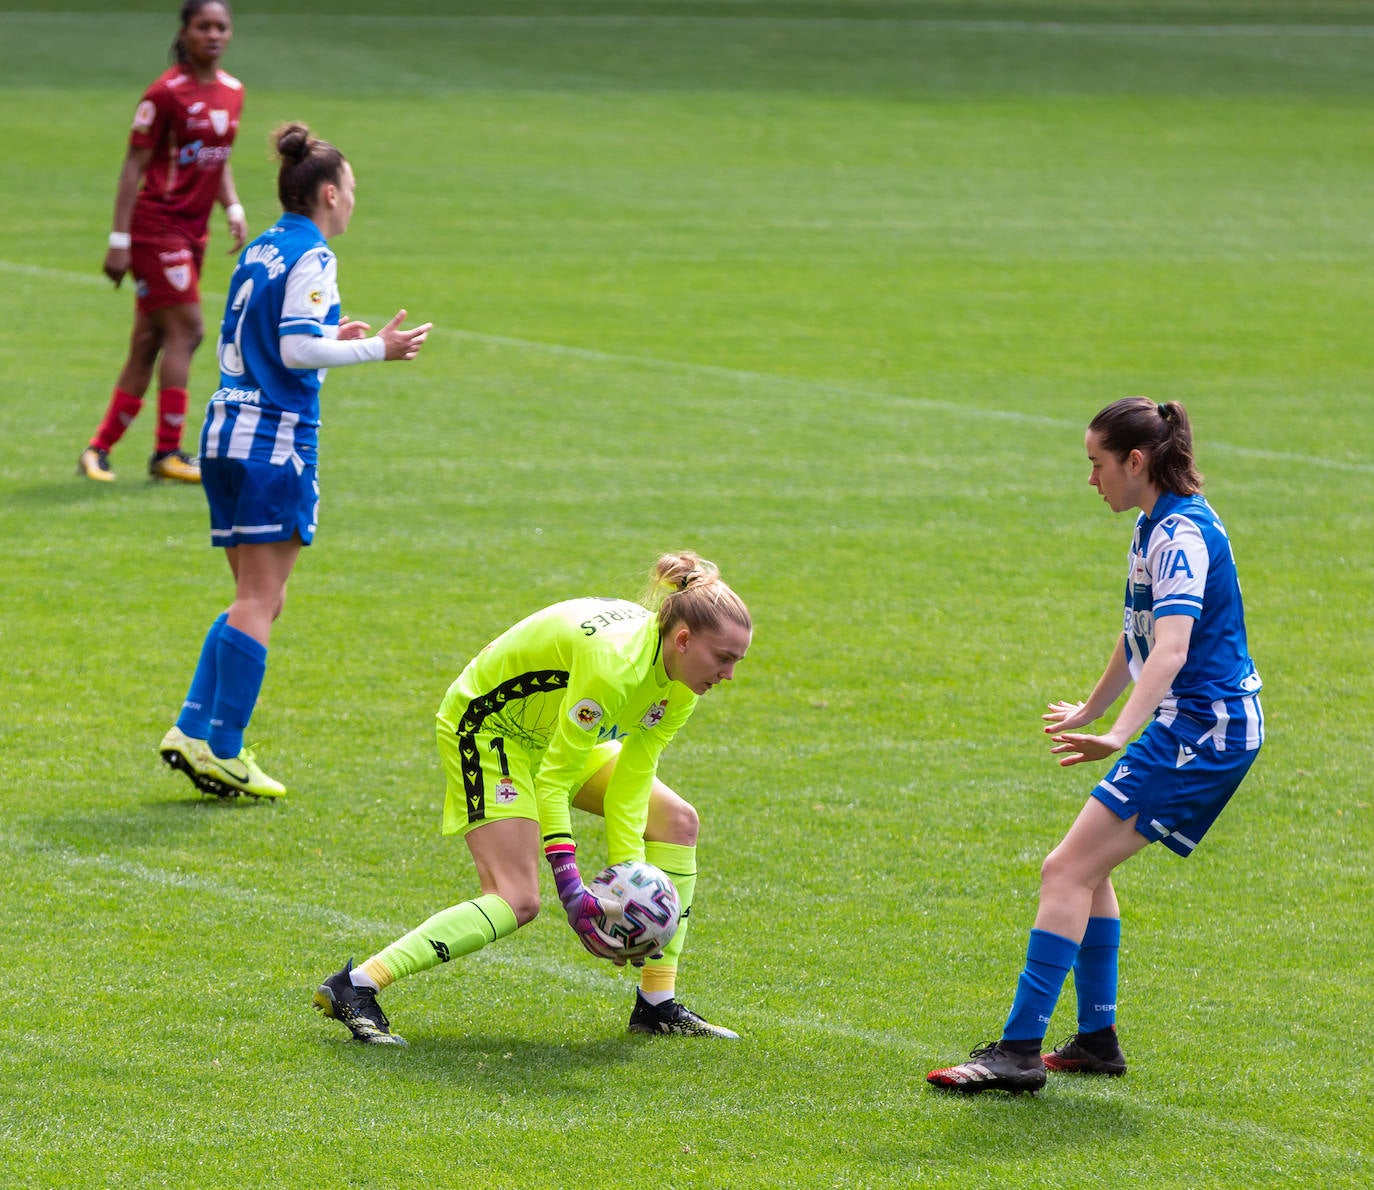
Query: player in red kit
{"x": 176, "y": 169}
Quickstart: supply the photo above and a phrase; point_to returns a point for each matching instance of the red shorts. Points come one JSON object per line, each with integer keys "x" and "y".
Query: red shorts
{"x": 166, "y": 267}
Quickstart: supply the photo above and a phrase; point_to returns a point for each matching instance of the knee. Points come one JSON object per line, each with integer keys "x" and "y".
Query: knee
{"x": 144, "y": 344}
{"x": 1059, "y": 871}
{"x": 680, "y": 823}
{"x": 187, "y": 331}
{"x": 525, "y": 905}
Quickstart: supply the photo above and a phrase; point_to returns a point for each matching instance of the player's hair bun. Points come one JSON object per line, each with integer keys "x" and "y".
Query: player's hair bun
{"x": 293, "y": 142}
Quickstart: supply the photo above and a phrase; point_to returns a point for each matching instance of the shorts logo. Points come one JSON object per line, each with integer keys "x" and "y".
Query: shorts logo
{"x": 178, "y": 276}
{"x": 1121, "y": 772}
{"x": 1185, "y": 754}
{"x": 654, "y": 715}
{"x": 506, "y": 791}
{"x": 586, "y": 714}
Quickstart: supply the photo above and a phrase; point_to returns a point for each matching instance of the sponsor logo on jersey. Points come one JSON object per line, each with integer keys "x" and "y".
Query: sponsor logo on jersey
{"x": 654, "y": 715}
{"x": 506, "y": 791}
{"x": 586, "y": 713}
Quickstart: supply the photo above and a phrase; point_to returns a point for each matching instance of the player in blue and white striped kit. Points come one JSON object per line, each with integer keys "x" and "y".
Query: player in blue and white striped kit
{"x": 280, "y": 333}
{"x": 1184, "y": 647}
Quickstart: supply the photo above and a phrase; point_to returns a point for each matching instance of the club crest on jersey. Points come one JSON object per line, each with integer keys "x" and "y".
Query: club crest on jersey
{"x": 178, "y": 276}
{"x": 506, "y": 791}
{"x": 586, "y": 713}
{"x": 654, "y": 715}
{"x": 219, "y": 121}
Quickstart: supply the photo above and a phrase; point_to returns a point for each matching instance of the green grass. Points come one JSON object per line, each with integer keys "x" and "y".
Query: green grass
{"x": 827, "y": 291}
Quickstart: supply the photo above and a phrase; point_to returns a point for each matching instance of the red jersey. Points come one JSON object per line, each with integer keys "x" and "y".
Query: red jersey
{"x": 190, "y": 127}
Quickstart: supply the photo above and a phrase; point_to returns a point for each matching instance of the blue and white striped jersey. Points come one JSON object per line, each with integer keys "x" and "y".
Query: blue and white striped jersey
{"x": 1181, "y": 564}
{"x": 285, "y": 283}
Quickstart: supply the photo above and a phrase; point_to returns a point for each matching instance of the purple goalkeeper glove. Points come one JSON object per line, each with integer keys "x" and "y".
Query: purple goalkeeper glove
{"x": 583, "y": 909}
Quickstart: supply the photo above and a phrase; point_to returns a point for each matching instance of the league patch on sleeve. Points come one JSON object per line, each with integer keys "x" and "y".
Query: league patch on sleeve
{"x": 144, "y": 116}
{"x": 586, "y": 713}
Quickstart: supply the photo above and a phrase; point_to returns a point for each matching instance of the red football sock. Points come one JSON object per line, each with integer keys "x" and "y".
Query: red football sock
{"x": 119, "y": 417}
{"x": 171, "y": 418}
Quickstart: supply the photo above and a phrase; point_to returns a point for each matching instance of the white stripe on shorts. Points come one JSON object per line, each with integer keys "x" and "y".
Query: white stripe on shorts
{"x": 237, "y": 530}
{"x": 1112, "y": 789}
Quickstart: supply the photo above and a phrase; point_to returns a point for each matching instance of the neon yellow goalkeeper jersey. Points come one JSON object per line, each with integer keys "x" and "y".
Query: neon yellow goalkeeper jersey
{"x": 559, "y": 683}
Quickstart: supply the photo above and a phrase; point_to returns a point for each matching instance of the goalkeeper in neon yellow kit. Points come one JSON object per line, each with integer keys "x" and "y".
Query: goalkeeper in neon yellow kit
{"x": 570, "y": 707}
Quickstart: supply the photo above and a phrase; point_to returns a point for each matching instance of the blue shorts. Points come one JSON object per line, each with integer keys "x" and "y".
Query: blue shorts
{"x": 252, "y": 502}
{"x": 1176, "y": 784}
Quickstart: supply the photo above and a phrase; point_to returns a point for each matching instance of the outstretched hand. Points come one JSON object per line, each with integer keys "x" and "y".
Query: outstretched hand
{"x": 1064, "y": 716}
{"x": 403, "y": 344}
{"x": 1075, "y": 747}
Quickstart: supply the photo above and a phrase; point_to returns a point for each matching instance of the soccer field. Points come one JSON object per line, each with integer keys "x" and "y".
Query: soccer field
{"x": 828, "y": 292}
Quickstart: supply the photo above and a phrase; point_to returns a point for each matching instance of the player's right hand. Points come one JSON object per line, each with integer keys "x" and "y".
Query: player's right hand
{"x": 116, "y": 264}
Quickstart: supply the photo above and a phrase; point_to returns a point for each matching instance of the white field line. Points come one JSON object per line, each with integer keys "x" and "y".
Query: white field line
{"x": 748, "y": 378}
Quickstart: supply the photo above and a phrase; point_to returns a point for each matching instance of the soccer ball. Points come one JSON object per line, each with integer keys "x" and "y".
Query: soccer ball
{"x": 652, "y": 909}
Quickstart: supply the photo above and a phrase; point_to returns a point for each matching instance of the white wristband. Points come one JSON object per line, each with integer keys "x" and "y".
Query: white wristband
{"x": 234, "y": 211}
{"x": 120, "y": 239}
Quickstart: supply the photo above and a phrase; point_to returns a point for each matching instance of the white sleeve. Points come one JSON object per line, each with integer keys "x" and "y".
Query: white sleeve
{"x": 314, "y": 351}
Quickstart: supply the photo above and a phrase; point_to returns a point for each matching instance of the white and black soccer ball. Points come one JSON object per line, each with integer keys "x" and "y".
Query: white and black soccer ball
{"x": 652, "y": 910}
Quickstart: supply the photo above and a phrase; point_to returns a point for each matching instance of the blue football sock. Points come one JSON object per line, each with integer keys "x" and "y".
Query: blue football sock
{"x": 241, "y": 663}
{"x": 1094, "y": 974}
{"x": 194, "y": 719}
{"x": 1048, "y": 960}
